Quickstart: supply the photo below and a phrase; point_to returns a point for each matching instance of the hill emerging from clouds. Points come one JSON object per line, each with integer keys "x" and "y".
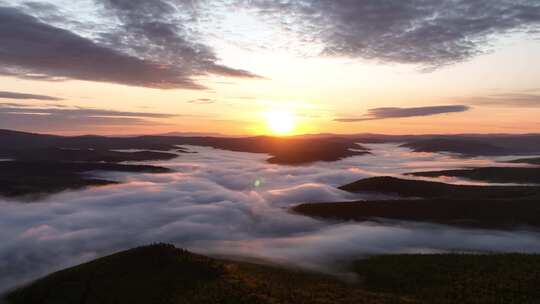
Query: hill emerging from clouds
{"x": 163, "y": 274}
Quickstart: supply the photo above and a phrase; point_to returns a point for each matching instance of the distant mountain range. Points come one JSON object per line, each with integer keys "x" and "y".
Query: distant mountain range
{"x": 285, "y": 150}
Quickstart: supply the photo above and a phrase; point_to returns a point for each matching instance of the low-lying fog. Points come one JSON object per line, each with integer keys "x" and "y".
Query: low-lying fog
{"x": 230, "y": 203}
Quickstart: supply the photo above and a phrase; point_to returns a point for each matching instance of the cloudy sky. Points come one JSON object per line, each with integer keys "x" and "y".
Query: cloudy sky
{"x": 265, "y": 67}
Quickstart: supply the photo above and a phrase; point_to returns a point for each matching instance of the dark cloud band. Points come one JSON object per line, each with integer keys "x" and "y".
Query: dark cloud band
{"x": 33, "y": 49}
{"x": 15, "y": 95}
{"x": 525, "y": 100}
{"x": 202, "y": 101}
{"x": 59, "y": 118}
{"x": 394, "y": 112}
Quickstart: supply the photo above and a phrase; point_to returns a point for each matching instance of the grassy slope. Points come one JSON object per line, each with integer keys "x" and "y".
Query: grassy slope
{"x": 163, "y": 274}
{"x": 455, "y": 278}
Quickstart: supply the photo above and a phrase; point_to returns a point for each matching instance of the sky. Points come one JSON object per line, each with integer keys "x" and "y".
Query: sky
{"x": 248, "y": 67}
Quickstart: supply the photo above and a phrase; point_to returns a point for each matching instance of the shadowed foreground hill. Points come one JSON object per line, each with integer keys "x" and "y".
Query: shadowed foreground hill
{"x": 163, "y": 274}
{"x": 455, "y": 278}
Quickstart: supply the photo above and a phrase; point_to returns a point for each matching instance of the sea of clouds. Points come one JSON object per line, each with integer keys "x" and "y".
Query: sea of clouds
{"x": 231, "y": 204}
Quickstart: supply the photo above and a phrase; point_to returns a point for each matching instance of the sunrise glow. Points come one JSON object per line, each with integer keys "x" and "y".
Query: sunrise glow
{"x": 280, "y": 122}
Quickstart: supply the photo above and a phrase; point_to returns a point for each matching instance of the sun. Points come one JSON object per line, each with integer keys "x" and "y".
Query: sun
{"x": 280, "y": 122}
